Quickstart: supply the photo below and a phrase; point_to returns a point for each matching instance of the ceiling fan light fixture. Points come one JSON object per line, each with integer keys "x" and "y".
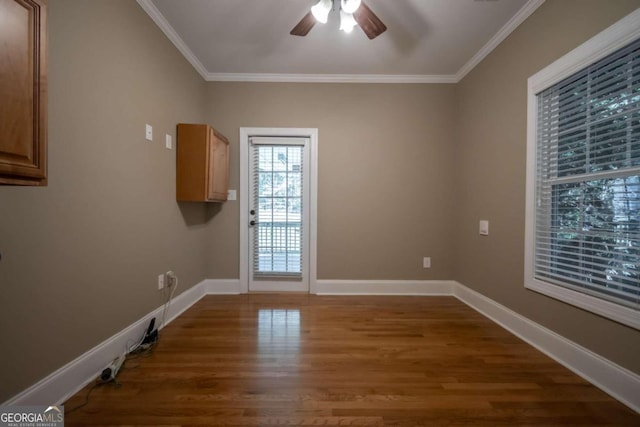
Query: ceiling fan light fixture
{"x": 352, "y": 13}
{"x": 350, "y": 6}
{"x": 321, "y": 10}
{"x": 347, "y": 22}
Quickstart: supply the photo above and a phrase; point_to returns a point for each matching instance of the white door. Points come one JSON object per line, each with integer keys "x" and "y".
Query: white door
{"x": 278, "y": 217}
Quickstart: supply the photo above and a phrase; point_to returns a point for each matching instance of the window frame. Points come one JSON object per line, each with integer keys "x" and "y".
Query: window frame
{"x": 603, "y": 44}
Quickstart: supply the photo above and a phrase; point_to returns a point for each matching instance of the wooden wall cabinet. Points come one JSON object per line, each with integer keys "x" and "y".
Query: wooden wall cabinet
{"x": 202, "y": 165}
{"x": 23, "y": 92}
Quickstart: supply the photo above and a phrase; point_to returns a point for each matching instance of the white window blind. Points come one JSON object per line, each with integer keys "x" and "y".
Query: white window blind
{"x": 277, "y": 205}
{"x": 587, "y": 183}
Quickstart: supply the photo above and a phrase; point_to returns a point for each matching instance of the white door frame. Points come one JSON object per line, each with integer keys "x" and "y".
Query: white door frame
{"x": 245, "y": 135}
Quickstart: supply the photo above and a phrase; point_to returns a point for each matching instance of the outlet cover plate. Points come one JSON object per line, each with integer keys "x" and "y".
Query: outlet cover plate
{"x": 484, "y": 227}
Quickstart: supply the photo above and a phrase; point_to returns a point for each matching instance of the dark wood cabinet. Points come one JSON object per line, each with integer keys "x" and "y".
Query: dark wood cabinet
{"x": 202, "y": 165}
{"x": 23, "y": 92}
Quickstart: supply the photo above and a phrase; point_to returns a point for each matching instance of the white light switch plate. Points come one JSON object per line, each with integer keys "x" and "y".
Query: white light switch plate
{"x": 484, "y": 227}
{"x": 148, "y": 132}
{"x": 231, "y": 195}
{"x": 168, "y": 142}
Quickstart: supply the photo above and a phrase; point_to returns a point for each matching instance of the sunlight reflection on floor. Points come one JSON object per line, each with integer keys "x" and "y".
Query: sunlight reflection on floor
{"x": 279, "y": 330}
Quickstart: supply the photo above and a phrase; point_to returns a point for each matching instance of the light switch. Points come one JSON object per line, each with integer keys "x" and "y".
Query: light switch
{"x": 484, "y": 227}
{"x": 168, "y": 142}
{"x": 231, "y": 195}
{"x": 148, "y": 133}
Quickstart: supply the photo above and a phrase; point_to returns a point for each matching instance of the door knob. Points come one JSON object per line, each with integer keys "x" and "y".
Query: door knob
{"x": 252, "y": 222}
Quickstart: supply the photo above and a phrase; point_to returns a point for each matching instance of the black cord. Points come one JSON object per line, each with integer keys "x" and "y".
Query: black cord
{"x": 131, "y": 356}
{"x": 140, "y": 353}
{"x": 135, "y": 354}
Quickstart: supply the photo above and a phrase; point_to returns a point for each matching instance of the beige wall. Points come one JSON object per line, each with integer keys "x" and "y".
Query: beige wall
{"x": 80, "y": 258}
{"x": 384, "y": 173}
{"x": 491, "y": 158}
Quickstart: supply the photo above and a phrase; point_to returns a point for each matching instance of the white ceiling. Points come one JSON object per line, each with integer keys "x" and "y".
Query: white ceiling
{"x": 249, "y": 40}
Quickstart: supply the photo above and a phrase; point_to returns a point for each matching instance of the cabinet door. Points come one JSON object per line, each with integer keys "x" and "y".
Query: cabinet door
{"x": 23, "y": 94}
{"x": 218, "y": 167}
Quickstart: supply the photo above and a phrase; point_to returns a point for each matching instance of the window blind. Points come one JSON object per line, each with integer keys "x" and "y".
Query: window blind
{"x": 587, "y": 224}
{"x": 277, "y": 181}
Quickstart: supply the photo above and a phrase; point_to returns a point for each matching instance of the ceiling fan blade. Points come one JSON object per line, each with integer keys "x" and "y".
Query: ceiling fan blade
{"x": 304, "y": 26}
{"x": 369, "y": 22}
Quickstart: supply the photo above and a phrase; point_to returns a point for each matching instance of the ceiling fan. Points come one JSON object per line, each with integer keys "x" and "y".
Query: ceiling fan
{"x": 352, "y": 13}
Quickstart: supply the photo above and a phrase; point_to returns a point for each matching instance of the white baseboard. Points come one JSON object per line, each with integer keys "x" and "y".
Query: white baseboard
{"x": 613, "y": 379}
{"x": 184, "y": 301}
{"x": 222, "y": 286}
{"x": 350, "y": 287}
{"x": 72, "y": 377}
{"x": 384, "y": 287}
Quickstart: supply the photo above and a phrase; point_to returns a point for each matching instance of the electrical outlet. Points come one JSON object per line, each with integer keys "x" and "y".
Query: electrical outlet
{"x": 172, "y": 279}
{"x": 426, "y": 262}
{"x": 160, "y": 282}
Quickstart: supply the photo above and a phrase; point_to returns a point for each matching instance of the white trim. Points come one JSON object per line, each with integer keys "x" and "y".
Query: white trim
{"x": 530, "y": 184}
{"x": 503, "y": 33}
{"x": 619, "y": 313}
{"x": 278, "y": 286}
{"x": 245, "y": 134}
{"x": 601, "y": 45}
{"x": 222, "y": 286}
{"x": 72, "y": 377}
{"x": 513, "y": 23}
{"x": 385, "y": 287}
{"x": 611, "y": 378}
{"x": 313, "y": 214}
{"x": 172, "y": 35}
{"x": 330, "y": 78}
{"x": 274, "y": 140}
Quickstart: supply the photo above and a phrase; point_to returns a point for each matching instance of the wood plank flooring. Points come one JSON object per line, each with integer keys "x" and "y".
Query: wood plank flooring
{"x": 274, "y": 359}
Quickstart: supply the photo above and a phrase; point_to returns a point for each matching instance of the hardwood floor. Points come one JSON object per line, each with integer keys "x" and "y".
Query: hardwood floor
{"x": 270, "y": 359}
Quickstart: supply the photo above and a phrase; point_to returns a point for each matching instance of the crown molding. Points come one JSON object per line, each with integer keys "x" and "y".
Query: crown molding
{"x": 167, "y": 29}
{"x": 329, "y": 78}
{"x": 517, "y": 19}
